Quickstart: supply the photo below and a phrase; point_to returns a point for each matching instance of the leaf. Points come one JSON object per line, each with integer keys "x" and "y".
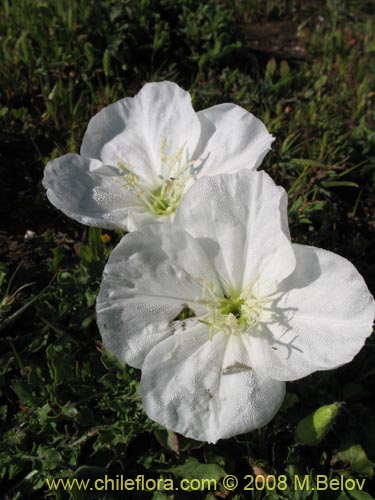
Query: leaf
{"x": 168, "y": 439}
{"x": 159, "y": 495}
{"x": 355, "y": 458}
{"x": 106, "y": 63}
{"x": 50, "y": 457}
{"x": 354, "y": 495}
{"x": 60, "y": 371}
{"x": 58, "y": 255}
{"x": 9, "y": 320}
{"x": 320, "y": 82}
{"x": 84, "y": 474}
{"x": 360, "y": 495}
{"x": 43, "y": 413}
{"x": 191, "y": 468}
{"x": 328, "y": 184}
{"x": 270, "y": 69}
{"x": 111, "y": 362}
{"x": 284, "y": 69}
{"x": 290, "y": 401}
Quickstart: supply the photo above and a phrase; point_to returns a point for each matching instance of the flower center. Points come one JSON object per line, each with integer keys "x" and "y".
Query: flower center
{"x": 233, "y": 314}
{"x": 161, "y": 203}
{"x": 229, "y": 305}
{"x": 175, "y": 178}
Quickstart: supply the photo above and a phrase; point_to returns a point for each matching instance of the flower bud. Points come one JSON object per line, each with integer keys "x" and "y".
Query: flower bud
{"x": 313, "y": 428}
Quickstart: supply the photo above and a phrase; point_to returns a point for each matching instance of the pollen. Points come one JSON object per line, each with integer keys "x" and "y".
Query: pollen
{"x": 236, "y": 314}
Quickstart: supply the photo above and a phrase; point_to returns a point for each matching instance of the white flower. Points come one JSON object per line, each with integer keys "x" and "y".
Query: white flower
{"x": 219, "y": 309}
{"x": 140, "y": 155}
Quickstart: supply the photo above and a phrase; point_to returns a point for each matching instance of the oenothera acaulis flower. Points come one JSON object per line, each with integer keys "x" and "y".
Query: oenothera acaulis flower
{"x": 140, "y": 155}
{"x": 219, "y": 308}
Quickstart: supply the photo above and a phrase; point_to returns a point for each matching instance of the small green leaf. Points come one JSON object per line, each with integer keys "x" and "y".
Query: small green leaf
{"x": 328, "y": 184}
{"x": 111, "y": 362}
{"x": 355, "y": 458}
{"x": 50, "y": 457}
{"x": 43, "y": 413}
{"x": 168, "y": 439}
{"x": 59, "y": 370}
{"x": 320, "y": 82}
{"x": 354, "y": 495}
{"x": 270, "y": 69}
{"x": 284, "y": 69}
{"x": 84, "y": 475}
{"x": 159, "y": 495}
{"x": 290, "y": 400}
{"x": 191, "y": 468}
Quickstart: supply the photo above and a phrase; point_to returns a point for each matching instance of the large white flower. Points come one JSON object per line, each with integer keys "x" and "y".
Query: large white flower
{"x": 219, "y": 309}
{"x": 140, "y": 155}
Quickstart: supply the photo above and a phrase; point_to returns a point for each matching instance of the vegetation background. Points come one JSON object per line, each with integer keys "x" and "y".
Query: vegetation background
{"x": 306, "y": 68}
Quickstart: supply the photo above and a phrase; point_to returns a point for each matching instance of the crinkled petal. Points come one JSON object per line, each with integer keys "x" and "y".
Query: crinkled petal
{"x": 241, "y": 222}
{"x": 131, "y": 131}
{"x": 207, "y": 389}
{"x": 325, "y": 314}
{"x": 150, "y": 277}
{"x": 92, "y": 193}
{"x": 231, "y": 139}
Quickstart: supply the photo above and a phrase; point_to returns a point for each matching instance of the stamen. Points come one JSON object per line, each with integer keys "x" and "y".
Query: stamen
{"x": 233, "y": 315}
{"x": 175, "y": 177}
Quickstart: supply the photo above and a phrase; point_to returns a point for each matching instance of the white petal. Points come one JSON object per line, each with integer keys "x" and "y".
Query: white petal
{"x": 241, "y": 222}
{"x": 231, "y": 139}
{"x": 149, "y": 277}
{"x": 132, "y": 130}
{"x": 325, "y": 315}
{"x": 91, "y": 193}
{"x": 207, "y": 389}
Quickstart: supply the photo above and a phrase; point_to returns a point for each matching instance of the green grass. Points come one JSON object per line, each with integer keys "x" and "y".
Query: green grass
{"x": 70, "y": 410}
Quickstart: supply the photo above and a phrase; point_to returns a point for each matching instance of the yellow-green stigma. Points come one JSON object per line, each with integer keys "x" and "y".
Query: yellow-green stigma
{"x": 231, "y": 305}
{"x": 161, "y": 201}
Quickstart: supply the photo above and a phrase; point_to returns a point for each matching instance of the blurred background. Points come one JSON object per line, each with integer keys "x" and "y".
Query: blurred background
{"x": 306, "y": 69}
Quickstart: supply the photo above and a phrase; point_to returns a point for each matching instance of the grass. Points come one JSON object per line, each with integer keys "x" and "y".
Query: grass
{"x": 68, "y": 409}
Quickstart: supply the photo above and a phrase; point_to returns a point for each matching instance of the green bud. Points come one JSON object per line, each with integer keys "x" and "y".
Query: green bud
{"x": 313, "y": 428}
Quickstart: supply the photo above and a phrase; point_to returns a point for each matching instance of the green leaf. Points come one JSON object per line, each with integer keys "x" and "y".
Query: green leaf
{"x": 159, "y": 495}
{"x": 354, "y": 495}
{"x": 270, "y": 69}
{"x": 43, "y": 413}
{"x": 59, "y": 369}
{"x": 360, "y": 495}
{"x": 328, "y": 184}
{"x": 355, "y": 458}
{"x": 191, "y": 468}
{"x": 284, "y": 69}
{"x": 111, "y": 362}
{"x": 290, "y": 401}
{"x": 58, "y": 255}
{"x": 84, "y": 474}
{"x": 168, "y": 439}
{"x": 320, "y": 82}
{"x": 50, "y": 457}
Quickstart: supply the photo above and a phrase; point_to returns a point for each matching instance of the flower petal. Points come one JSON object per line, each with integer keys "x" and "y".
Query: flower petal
{"x": 328, "y": 313}
{"x": 91, "y": 193}
{"x": 231, "y": 139}
{"x": 207, "y": 389}
{"x": 131, "y": 131}
{"x": 241, "y": 222}
{"x": 148, "y": 281}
